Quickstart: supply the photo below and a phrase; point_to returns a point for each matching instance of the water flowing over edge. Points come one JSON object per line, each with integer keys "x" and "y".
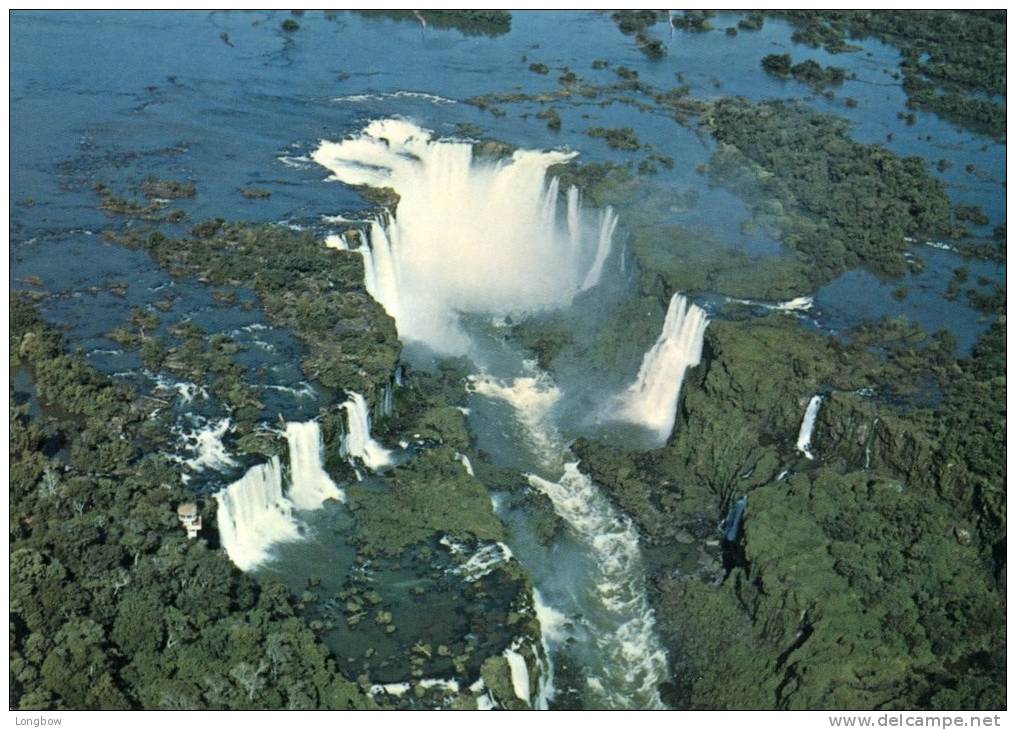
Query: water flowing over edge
{"x": 638, "y": 661}
{"x": 807, "y": 426}
{"x": 651, "y": 400}
{"x": 623, "y": 630}
{"x": 468, "y": 234}
{"x": 254, "y": 513}
{"x": 485, "y": 237}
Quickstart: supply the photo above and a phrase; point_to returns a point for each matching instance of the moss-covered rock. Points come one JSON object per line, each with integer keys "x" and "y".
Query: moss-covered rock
{"x": 316, "y": 292}
{"x": 838, "y": 202}
{"x": 431, "y": 495}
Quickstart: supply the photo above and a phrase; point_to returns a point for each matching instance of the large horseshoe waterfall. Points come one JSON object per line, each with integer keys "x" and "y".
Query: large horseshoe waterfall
{"x": 468, "y": 235}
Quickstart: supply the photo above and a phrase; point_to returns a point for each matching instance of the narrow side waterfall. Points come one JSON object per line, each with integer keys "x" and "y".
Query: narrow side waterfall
{"x": 468, "y": 235}
{"x": 358, "y": 442}
{"x": 310, "y": 485}
{"x": 253, "y": 515}
{"x": 608, "y": 224}
{"x": 634, "y": 660}
{"x": 807, "y": 426}
{"x": 652, "y": 399}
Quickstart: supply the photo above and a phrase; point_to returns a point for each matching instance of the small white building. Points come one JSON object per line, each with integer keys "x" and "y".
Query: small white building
{"x": 189, "y": 518}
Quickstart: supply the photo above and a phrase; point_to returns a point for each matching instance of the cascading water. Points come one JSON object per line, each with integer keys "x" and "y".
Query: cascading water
{"x": 358, "y": 442}
{"x": 311, "y": 486}
{"x": 636, "y": 663}
{"x": 254, "y": 515}
{"x": 485, "y": 237}
{"x": 468, "y": 235}
{"x": 651, "y": 400}
{"x": 630, "y": 661}
{"x": 807, "y": 426}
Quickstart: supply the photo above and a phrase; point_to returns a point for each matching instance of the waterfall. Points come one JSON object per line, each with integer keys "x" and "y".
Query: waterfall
{"x": 807, "y": 426}
{"x": 869, "y": 442}
{"x": 489, "y": 238}
{"x": 466, "y": 463}
{"x": 253, "y": 515}
{"x": 635, "y": 663}
{"x": 608, "y": 223}
{"x": 358, "y": 443}
{"x": 310, "y": 485}
{"x": 652, "y": 399}
{"x": 519, "y": 674}
{"x": 468, "y": 235}
{"x": 388, "y": 402}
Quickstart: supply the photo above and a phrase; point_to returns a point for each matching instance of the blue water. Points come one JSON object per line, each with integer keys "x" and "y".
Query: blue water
{"x": 113, "y": 97}
{"x": 117, "y": 96}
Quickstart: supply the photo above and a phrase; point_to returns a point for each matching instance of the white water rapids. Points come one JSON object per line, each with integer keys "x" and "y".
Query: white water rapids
{"x": 484, "y": 237}
{"x": 619, "y": 623}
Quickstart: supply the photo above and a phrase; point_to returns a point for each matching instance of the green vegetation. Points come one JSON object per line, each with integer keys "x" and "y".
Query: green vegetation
{"x": 431, "y": 495}
{"x": 468, "y": 22}
{"x": 290, "y": 26}
{"x": 871, "y": 577}
{"x": 111, "y": 606}
{"x": 314, "y": 291}
{"x": 751, "y": 22}
{"x": 807, "y": 72}
{"x": 631, "y": 22}
{"x": 960, "y": 52}
{"x": 154, "y": 187}
{"x": 154, "y": 211}
{"x": 696, "y": 21}
{"x": 837, "y": 202}
{"x": 195, "y": 356}
{"x": 617, "y": 139}
{"x": 552, "y": 117}
{"x": 539, "y": 68}
{"x": 254, "y": 193}
{"x": 972, "y": 214}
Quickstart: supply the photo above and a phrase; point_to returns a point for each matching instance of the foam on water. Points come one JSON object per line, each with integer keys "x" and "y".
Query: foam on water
{"x": 532, "y": 397}
{"x": 552, "y": 632}
{"x": 362, "y": 98}
{"x": 487, "y": 238}
{"x": 205, "y": 444}
{"x": 634, "y": 660}
{"x": 255, "y": 514}
{"x": 484, "y": 561}
{"x": 651, "y": 400}
{"x": 468, "y": 235}
{"x": 631, "y": 661}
